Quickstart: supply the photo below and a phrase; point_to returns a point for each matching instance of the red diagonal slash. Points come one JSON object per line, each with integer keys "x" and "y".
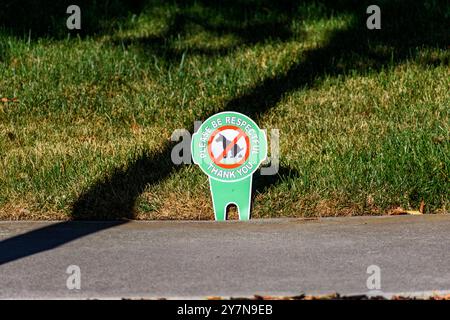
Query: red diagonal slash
{"x": 228, "y": 148}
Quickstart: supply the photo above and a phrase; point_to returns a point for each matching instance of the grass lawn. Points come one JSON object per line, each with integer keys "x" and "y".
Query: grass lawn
{"x": 86, "y": 117}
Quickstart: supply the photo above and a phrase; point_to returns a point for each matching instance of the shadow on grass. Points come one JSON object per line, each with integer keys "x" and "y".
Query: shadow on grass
{"x": 353, "y": 49}
{"x": 247, "y": 22}
{"x": 405, "y": 26}
{"x": 47, "y": 19}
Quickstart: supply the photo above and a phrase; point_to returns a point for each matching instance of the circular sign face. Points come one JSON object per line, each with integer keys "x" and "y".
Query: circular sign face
{"x": 229, "y": 146}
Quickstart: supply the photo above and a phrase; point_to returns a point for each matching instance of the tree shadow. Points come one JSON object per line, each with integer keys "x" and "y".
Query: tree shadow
{"x": 115, "y": 196}
{"x": 246, "y": 22}
{"x": 49, "y": 237}
{"x": 262, "y": 182}
{"x": 47, "y": 18}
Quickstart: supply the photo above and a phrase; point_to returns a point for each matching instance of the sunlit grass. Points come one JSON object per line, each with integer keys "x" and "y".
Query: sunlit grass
{"x": 357, "y": 139}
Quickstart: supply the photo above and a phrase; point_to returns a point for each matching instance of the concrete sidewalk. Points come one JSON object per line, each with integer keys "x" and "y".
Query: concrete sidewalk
{"x": 199, "y": 259}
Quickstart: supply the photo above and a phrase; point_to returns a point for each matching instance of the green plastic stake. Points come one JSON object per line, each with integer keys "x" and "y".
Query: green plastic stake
{"x": 229, "y": 147}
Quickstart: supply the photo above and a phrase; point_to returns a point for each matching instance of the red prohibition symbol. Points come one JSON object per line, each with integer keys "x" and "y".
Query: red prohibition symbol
{"x": 229, "y": 147}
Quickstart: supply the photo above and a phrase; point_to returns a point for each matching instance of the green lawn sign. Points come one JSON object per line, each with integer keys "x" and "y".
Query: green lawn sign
{"x": 229, "y": 147}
